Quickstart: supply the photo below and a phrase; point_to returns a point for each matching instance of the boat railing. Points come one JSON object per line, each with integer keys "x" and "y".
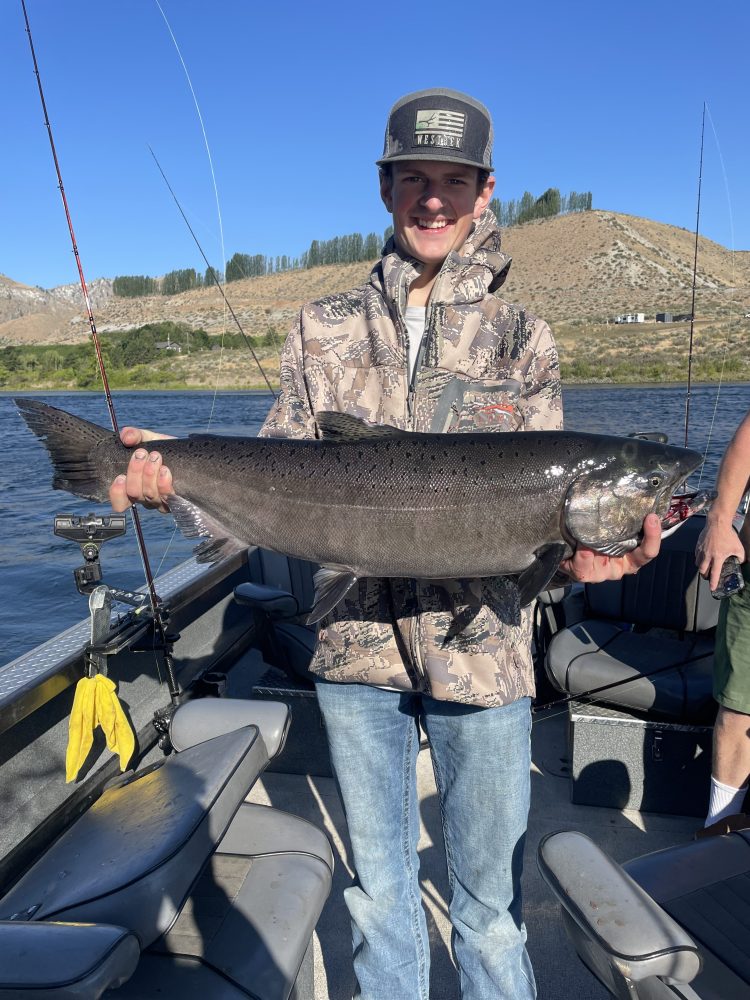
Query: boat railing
{"x": 37, "y": 676}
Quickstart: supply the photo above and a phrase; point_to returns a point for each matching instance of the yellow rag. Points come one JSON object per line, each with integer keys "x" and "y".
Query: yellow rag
{"x": 96, "y": 703}
{"x": 112, "y": 719}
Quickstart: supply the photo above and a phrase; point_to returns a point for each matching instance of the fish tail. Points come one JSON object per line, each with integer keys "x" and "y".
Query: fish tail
{"x": 71, "y": 443}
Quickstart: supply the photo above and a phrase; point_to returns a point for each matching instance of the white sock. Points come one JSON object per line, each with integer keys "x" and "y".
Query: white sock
{"x": 725, "y": 801}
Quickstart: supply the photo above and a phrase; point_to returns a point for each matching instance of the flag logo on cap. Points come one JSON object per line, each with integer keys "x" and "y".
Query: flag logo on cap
{"x": 439, "y": 128}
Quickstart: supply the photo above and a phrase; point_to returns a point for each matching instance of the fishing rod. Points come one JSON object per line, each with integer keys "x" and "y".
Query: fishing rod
{"x": 566, "y": 699}
{"x": 695, "y": 276}
{"x": 212, "y": 271}
{"x": 164, "y": 640}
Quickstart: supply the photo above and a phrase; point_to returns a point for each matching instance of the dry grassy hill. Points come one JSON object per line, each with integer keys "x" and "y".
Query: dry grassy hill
{"x": 577, "y": 271}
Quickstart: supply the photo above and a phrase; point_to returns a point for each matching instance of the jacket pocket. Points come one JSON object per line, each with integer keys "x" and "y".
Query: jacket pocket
{"x": 478, "y": 405}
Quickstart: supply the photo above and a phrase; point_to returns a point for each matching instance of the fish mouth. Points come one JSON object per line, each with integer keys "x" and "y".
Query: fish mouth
{"x": 681, "y": 507}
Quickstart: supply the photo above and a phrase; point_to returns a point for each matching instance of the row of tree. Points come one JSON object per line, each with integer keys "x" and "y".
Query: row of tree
{"x": 349, "y": 249}
{"x": 76, "y": 363}
{"x": 241, "y": 265}
{"x": 516, "y": 212}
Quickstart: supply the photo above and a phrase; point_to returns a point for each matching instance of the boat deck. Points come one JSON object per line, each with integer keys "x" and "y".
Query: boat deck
{"x": 624, "y": 834}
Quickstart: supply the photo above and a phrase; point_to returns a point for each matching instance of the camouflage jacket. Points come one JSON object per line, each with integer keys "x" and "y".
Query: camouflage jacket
{"x": 484, "y": 364}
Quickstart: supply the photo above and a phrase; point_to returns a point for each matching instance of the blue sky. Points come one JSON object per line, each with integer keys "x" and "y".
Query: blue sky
{"x": 585, "y": 96}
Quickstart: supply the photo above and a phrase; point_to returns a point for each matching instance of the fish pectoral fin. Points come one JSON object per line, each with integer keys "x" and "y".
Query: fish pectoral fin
{"x": 345, "y": 427}
{"x": 194, "y": 522}
{"x": 215, "y": 549}
{"x": 331, "y": 585}
{"x": 534, "y": 579}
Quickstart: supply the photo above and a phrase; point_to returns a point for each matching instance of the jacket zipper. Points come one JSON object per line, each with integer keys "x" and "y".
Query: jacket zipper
{"x": 414, "y": 630}
{"x": 415, "y": 638}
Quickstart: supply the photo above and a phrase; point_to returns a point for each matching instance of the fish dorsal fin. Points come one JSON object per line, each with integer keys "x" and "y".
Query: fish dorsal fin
{"x": 535, "y": 577}
{"x": 344, "y": 427}
{"x": 196, "y": 523}
{"x": 331, "y": 585}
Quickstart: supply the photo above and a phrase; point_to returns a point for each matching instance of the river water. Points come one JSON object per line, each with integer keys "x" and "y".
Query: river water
{"x": 37, "y": 592}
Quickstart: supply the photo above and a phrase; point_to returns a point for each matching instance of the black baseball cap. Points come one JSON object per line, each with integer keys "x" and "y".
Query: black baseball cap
{"x": 439, "y": 124}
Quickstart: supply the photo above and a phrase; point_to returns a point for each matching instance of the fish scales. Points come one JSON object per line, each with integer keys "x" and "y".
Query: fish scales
{"x": 383, "y": 508}
{"x": 389, "y": 503}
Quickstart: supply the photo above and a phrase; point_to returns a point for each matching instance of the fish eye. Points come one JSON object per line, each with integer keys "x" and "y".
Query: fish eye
{"x": 656, "y": 480}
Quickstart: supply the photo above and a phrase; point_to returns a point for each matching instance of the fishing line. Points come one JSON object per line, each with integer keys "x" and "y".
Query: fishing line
{"x": 732, "y": 289}
{"x": 154, "y": 600}
{"x": 695, "y": 276}
{"x": 212, "y": 270}
{"x": 216, "y": 196}
{"x": 221, "y": 229}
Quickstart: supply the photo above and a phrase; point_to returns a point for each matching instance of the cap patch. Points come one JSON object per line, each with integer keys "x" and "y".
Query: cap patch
{"x": 439, "y": 128}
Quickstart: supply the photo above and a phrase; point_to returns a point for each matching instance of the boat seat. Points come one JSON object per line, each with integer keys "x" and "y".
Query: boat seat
{"x": 134, "y": 857}
{"x": 281, "y": 592}
{"x": 62, "y": 961}
{"x": 254, "y": 943}
{"x": 660, "y": 619}
{"x": 131, "y": 859}
{"x": 674, "y": 923}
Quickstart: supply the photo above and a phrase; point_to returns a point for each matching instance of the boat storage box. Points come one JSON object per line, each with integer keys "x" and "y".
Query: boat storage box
{"x": 628, "y": 761}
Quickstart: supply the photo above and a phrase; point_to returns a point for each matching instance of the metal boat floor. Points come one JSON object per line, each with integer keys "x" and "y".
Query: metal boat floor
{"x": 624, "y": 834}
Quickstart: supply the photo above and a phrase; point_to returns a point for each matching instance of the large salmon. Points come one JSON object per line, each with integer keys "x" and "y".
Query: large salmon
{"x": 375, "y": 501}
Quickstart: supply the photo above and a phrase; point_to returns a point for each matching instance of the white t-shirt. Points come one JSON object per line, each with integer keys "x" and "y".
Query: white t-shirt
{"x": 415, "y": 320}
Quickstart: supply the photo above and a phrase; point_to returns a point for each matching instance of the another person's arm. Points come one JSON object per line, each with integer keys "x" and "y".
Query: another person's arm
{"x": 719, "y": 540}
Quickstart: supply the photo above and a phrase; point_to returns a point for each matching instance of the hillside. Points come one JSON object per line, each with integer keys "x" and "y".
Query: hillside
{"x": 577, "y": 271}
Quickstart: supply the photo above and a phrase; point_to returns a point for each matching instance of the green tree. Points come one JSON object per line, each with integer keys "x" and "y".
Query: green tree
{"x": 526, "y": 208}
{"x": 372, "y": 247}
{"x": 548, "y": 204}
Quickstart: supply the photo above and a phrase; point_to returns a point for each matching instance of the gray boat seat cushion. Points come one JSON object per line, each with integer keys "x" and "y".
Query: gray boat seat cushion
{"x": 702, "y": 888}
{"x": 282, "y": 590}
{"x": 284, "y": 573}
{"x": 63, "y": 961}
{"x": 246, "y": 930}
{"x": 611, "y": 910}
{"x": 595, "y": 653}
{"x": 705, "y": 887}
{"x": 203, "y": 719}
{"x": 662, "y": 616}
{"x": 131, "y": 859}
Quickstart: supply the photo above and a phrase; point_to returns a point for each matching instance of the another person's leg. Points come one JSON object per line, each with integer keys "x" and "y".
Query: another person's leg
{"x": 731, "y": 764}
{"x": 374, "y": 741}
{"x": 482, "y": 760}
{"x": 731, "y": 750}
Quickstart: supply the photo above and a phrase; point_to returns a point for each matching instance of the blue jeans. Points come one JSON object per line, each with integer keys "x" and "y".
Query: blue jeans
{"x": 481, "y": 758}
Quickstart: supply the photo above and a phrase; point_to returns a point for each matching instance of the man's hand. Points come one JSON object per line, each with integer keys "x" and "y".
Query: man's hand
{"x": 715, "y": 544}
{"x": 587, "y": 566}
{"x": 147, "y": 480}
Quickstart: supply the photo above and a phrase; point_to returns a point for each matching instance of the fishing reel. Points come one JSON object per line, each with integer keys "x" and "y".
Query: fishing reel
{"x": 91, "y": 531}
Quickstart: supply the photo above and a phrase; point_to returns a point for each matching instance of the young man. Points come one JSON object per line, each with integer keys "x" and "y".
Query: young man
{"x": 718, "y": 541}
{"x": 426, "y": 345}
